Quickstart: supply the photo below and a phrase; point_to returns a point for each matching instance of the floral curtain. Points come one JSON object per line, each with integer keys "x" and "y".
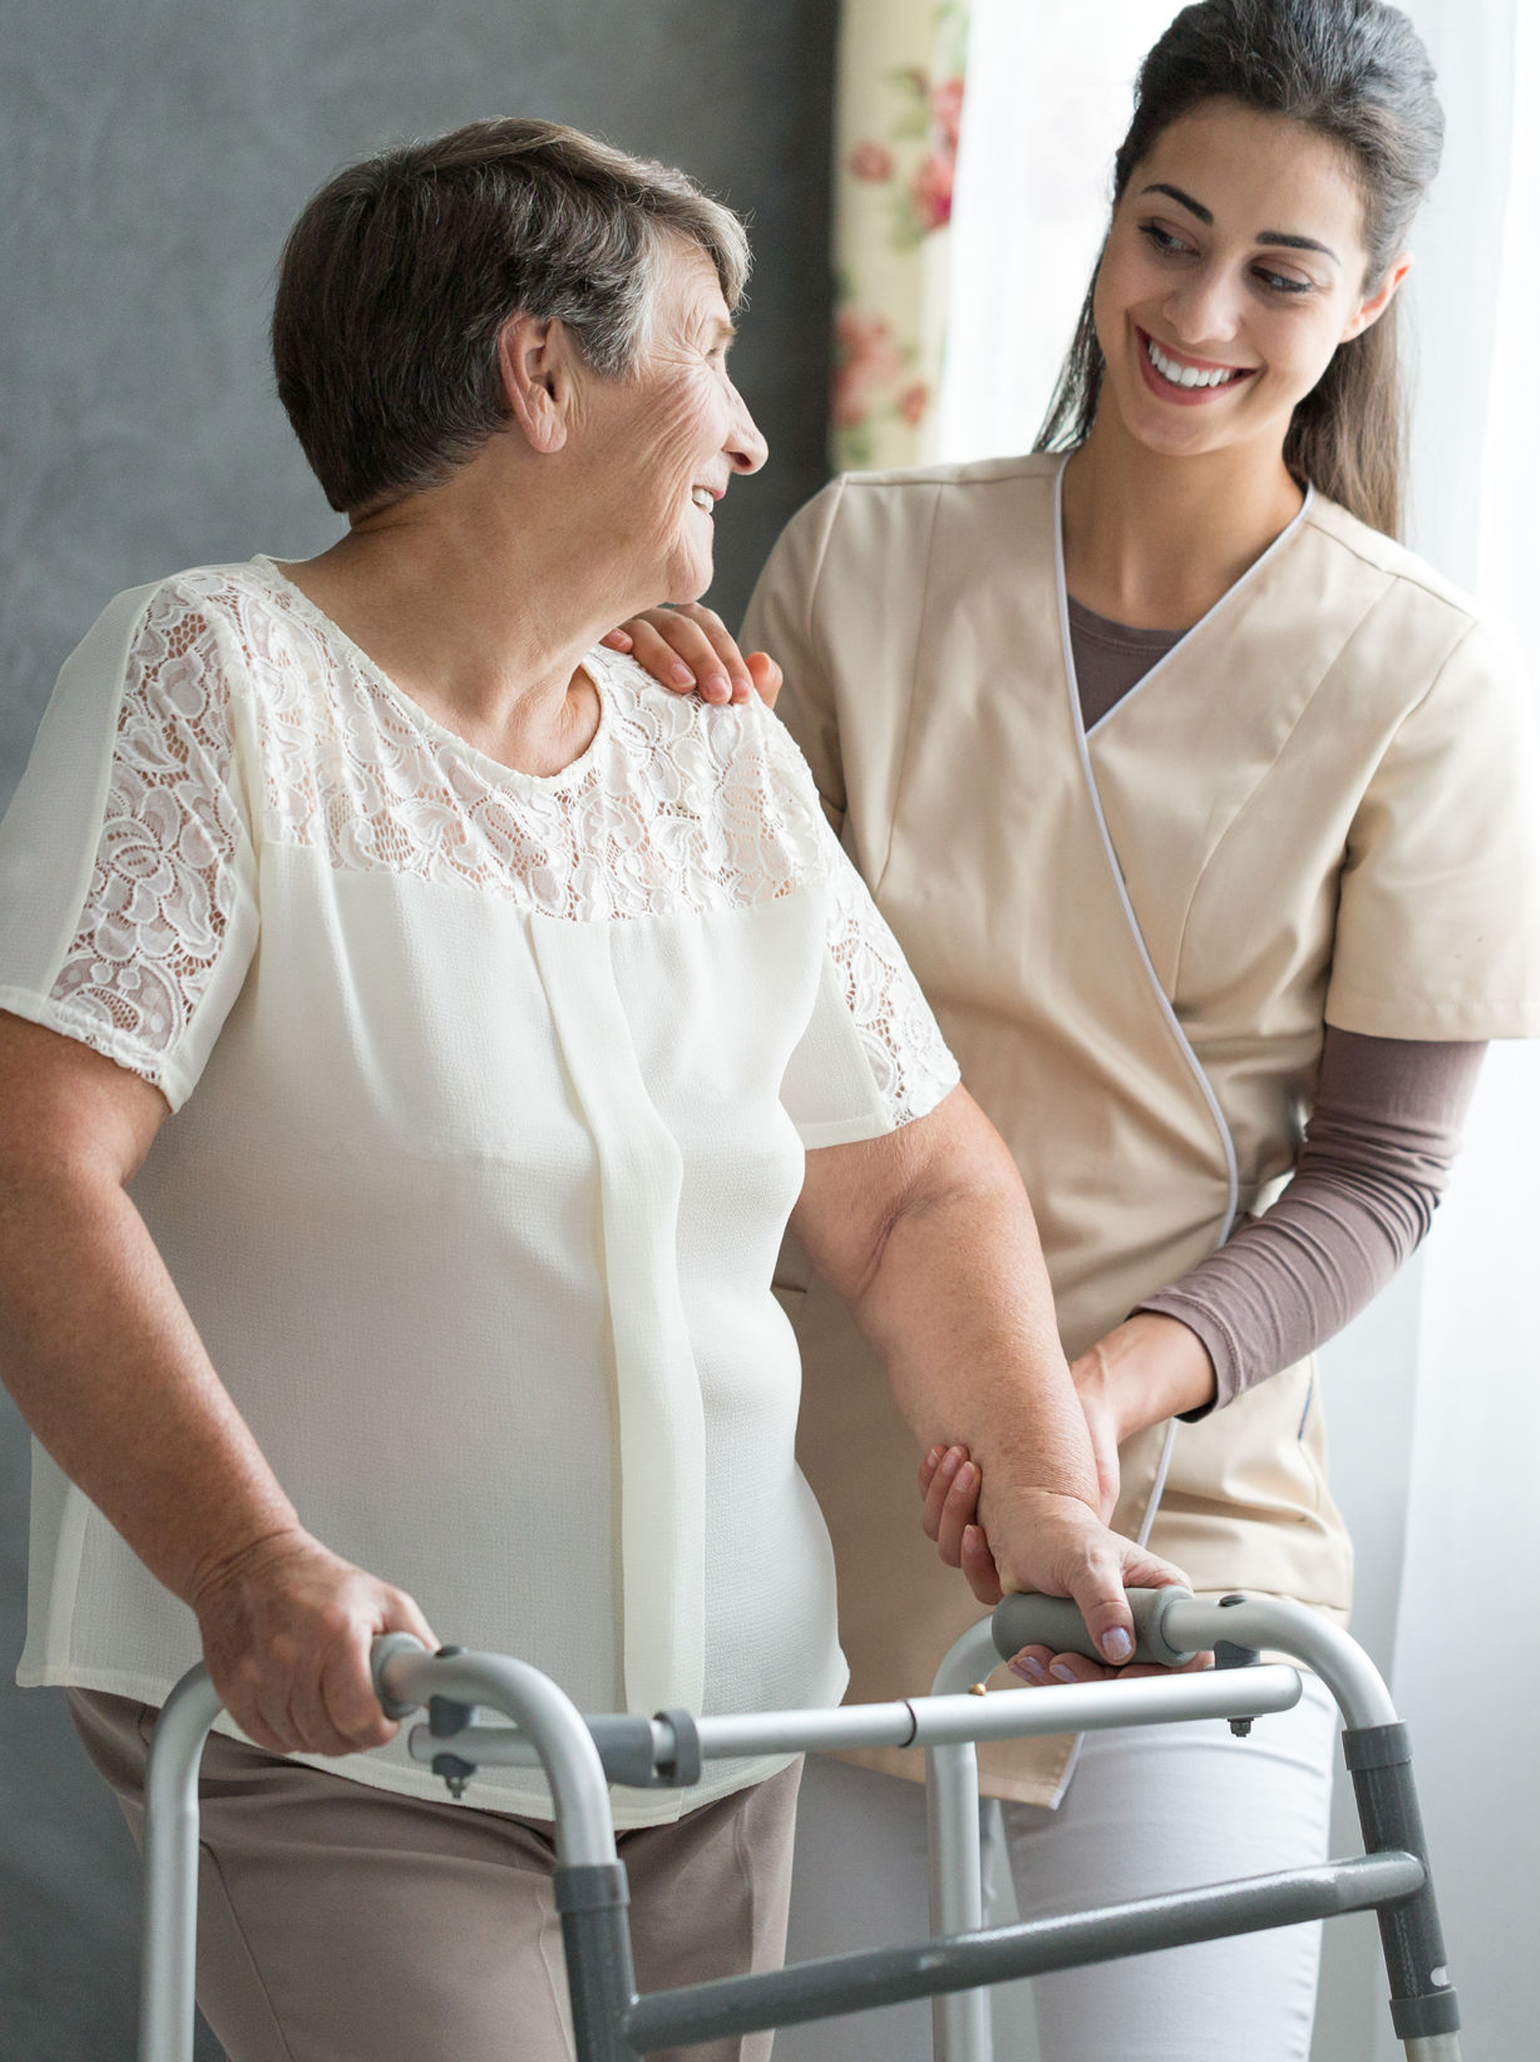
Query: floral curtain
{"x": 899, "y": 108}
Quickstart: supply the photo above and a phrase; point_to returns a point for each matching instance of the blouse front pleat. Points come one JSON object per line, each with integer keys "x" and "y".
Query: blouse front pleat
{"x": 661, "y": 1433}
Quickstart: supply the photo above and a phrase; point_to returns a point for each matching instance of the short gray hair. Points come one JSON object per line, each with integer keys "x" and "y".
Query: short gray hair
{"x": 399, "y": 276}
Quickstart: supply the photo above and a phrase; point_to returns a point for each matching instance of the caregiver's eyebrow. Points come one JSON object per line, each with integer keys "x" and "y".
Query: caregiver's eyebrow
{"x": 1282, "y": 239}
{"x": 1186, "y": 200}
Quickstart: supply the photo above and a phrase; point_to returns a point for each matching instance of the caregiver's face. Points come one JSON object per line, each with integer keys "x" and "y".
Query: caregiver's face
{"x": 1234, "y": 268}
{"x": 681, "y": 429}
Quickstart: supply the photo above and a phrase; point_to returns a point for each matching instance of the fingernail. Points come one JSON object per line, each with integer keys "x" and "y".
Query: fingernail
{"x": 717, "y": 686}
{"x": 966, "y": 1472}
{"x": 952, "y": 1462}
{"x": 1029, "y": 1671}
{"x": 681, "y": 676}
{"x": 742, "y": 680}
{"x": 933, "y": 1457}
{"x": 1062, "y": 1674}
{"x": 617, "y": 640}
{"x": 1117, "y": 1646}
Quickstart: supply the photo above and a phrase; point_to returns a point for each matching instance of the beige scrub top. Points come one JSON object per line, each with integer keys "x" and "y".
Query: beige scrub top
{"x": 1320, "y": 807}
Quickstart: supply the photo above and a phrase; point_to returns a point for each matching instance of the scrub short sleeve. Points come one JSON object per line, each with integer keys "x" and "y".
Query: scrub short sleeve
{"x": 780, "y": 621}
{"x": 1438, "y": 924}
{"x": 128, "y": 911}
{"x": 872, "y": 1057}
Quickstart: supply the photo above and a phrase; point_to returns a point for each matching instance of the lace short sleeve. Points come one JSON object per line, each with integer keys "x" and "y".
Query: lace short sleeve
{"x": 126, "y": 862}
{"x": 872, "y": 1057}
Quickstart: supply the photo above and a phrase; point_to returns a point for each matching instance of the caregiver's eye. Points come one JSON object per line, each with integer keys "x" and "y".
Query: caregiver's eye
{"x": 1165, "y": 240}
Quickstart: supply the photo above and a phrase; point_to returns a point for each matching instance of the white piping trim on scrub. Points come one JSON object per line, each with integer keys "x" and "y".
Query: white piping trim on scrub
{"x": 1158, "y": 1487}
{"x": 1232, "y": 1172}
{"x": 1192, "y": 630}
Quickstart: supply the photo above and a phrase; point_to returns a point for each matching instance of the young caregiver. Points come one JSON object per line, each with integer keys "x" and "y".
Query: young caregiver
{"x": 1204, "y": 812}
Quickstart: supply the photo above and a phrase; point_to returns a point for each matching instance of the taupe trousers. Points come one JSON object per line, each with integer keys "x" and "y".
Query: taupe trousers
{"x": 342, "y": 1923}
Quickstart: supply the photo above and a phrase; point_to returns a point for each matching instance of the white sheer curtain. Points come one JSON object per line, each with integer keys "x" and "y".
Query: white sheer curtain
{"x": 1467, "y": 1664}
{"x": 1435, "y": 1396}
{"x": 1050, "y": 86}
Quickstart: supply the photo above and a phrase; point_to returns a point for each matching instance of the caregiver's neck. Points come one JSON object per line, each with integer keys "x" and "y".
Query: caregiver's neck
{"x": 1154, "y": 539}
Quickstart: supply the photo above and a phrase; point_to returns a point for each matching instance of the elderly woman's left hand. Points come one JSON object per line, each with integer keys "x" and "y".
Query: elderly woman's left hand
{"x": 690, "y": 647}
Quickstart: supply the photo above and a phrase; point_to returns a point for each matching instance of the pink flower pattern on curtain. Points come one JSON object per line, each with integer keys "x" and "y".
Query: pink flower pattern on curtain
{"x": 899, "y": 111}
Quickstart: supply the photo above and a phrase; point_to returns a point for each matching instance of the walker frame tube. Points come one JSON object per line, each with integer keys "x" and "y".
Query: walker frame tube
{"x": 580, "y": 1757}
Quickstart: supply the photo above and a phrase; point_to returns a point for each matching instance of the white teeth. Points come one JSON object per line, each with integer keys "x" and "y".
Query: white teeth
{"x": 1184, "y": 375}
{"x": 701, "y": 496}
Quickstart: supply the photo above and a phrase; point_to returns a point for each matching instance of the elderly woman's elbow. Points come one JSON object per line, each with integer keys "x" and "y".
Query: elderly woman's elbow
{"x": 856, "y": 1197}
{"x": 68, "y": 1113}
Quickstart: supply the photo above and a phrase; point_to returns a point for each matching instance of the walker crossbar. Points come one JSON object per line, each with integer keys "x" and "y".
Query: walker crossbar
{"x": 641, "y": 1751}
{"x": 884, "y": 1976}
{"x": 580, "y": 1757}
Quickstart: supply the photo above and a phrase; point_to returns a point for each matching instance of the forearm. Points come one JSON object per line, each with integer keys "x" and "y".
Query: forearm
{"x": 108, "y": 1370}
{"x": 960, "y": 1310}
{"x": 1382, "y": 1138}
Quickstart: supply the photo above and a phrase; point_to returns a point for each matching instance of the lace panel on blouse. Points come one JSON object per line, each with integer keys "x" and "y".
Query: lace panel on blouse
{"x": 166, "y": 879}
{"x": 673, "y": 809}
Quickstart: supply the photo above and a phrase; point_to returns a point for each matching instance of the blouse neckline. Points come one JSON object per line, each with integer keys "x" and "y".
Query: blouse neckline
{"x": 497, "y": 771}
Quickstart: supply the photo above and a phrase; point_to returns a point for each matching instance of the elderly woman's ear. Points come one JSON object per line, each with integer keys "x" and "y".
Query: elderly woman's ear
{"x": 536, "y": 357}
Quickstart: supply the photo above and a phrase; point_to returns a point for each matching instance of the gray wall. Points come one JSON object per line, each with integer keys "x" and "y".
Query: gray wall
{"x": 152, "y": 155}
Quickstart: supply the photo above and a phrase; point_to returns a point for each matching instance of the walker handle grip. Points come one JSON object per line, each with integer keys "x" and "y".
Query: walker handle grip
{"x": 1025, "y": 1619}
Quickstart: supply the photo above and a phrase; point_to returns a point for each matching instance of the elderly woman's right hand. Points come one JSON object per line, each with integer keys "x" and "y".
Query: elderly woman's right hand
{"x": 690, "y": 647}
{"x": 287, "y": 1627}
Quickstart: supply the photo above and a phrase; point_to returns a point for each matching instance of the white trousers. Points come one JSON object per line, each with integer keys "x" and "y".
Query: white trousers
{"x": 1150, "y": 1809}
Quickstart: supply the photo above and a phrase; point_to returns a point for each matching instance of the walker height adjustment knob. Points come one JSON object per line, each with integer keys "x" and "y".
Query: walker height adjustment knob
{"x": 1229, "y": 1654}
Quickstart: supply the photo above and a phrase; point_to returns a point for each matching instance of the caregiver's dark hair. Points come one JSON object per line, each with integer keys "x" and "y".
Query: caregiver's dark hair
{"x": 397, "y": 279}
{"x": 1353, "y": 70}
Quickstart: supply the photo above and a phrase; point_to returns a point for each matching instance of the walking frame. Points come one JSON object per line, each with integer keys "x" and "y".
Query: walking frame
{"x": 582, "y": 1756}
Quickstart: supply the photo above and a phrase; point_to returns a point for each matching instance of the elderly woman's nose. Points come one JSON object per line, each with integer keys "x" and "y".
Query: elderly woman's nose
{"x": 746, "y": 448}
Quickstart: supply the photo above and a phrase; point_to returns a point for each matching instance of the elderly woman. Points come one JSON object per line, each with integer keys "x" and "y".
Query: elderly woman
{"x": 419, "y": 1028}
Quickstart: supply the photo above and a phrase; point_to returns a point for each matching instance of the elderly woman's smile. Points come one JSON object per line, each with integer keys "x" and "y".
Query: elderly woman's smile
{"x": 670, "y": 438}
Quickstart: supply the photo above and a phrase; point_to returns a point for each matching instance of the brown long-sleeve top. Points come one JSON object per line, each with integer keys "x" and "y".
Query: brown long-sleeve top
{"x": 1383, "y": 1132}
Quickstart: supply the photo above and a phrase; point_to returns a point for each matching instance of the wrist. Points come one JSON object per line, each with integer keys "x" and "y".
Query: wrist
{"x": 231, "y": 1567}
{"x": 1149, "y": 1368}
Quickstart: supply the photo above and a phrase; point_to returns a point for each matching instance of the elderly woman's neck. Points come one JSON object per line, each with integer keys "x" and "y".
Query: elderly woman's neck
{"x": 482, "y": 622}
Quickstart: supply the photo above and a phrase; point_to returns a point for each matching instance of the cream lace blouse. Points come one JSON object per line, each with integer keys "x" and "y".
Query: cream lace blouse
{"x": 490, "y": 1099}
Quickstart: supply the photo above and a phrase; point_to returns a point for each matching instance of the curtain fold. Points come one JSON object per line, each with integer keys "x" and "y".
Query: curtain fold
{"x": 897, "y": 119}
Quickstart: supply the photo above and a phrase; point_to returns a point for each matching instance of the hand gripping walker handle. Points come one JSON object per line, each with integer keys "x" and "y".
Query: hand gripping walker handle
{"x": 1025, "y": 1619}
{"x": 383, "y": 1649}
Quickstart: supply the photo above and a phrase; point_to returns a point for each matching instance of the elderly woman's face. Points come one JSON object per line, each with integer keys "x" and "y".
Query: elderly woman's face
{"x": 678, "y": 429}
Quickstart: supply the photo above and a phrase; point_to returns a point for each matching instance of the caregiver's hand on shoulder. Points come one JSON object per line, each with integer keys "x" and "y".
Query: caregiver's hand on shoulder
{"x": 690, "y": 648}
{"x": 287, "y": 1626}
{"x": 1056, "y": 1545}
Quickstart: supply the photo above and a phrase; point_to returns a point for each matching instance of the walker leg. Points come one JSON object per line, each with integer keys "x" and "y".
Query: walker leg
{"x": 961, "y": 2019}
{"x": 592, "y": 1901}
{"x": 170, "y": 1947}
{"x": 1423, "y": 2004}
